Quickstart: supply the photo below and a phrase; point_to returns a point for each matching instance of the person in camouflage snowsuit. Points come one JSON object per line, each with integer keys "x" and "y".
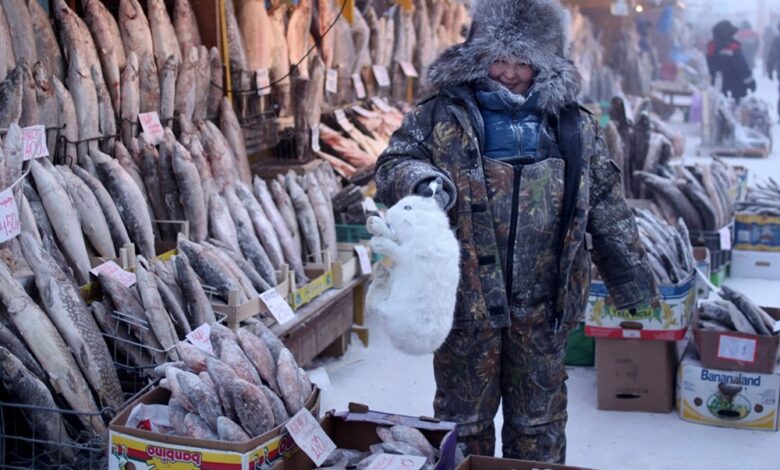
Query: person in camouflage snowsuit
{"x": 526, "y": 176}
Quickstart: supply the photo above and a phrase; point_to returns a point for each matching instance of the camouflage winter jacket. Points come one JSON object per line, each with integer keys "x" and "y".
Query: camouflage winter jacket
{"x": 442, "y": 137}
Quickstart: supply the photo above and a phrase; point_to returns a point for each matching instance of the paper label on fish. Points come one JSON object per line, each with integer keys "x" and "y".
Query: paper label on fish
{"x": 341, "y": 118}
{"x": 315, "y": 138}
{"x": 310, "y": 437}
{"x": 115, "y": 272}
{"x": 408, "y": 69}
{"x": 397, "y": 462}
{"x": 150, "y": 122}
{"x": 361, "y": 111}
{"x": 199, "y": 337}
{"x": 34, "y": 142}
{"x": 278, "y": 307}
{"x": 365, "y": 260}
{"x": 725, "y": 238}
{"x": 360, "y": 88}
{"x": 332, "y": 81}
{"x": 263, "y": 78}
{"x": 381, "y": 76}
{"x": 736, "y": 348}
{"x": 10, "y": 226}
{"x": 381, "y": 104}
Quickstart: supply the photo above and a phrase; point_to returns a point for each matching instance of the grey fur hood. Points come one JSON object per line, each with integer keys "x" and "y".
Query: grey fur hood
{"x": 534, "y": 32}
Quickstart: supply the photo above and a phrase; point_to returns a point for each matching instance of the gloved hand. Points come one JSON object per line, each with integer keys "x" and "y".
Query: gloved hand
{"x": 426, "y": 189}
{"x": 752, "y": 85}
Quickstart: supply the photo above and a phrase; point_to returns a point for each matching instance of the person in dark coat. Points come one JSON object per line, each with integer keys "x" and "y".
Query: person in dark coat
{"x": 526, "y": 176}
{"x": 725, "y": 57}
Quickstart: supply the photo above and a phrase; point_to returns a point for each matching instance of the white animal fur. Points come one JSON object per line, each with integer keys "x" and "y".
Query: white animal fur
{"x": 415, "y": 298}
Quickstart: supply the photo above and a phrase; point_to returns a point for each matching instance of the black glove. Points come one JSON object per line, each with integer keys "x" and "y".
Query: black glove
{"x": 752, "y": 85}
{"x": 424, "y": 189}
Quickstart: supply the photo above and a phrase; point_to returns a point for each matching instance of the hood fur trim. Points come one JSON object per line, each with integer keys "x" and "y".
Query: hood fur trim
{"x": 528, "y": 31}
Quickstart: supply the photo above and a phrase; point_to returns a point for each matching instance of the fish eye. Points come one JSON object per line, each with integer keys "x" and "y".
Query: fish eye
{"x": 407, "y": 208}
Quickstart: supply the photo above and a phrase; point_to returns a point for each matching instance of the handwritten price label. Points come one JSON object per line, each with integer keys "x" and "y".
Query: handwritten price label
{"x": 381, "y": 104}
{"x": 365, "y": 261}
{"x": 112, "y": 270}
{"x": 332, "y": 81}
{"x": 150, "y": 123}
{"x": 10, "y": 226}
{"x": 381, "y": 76}
{"x": 34, "y": 142}
{"x": 725, "y": 238}
{"x": 408, "y": 69}
{"x": 360, "y": 88}
{"x": 308, "y": 434}
{"x": 736, "y": 348}
{"x": 341, "y": 118}
{"x": 361, "y": 111}
{"x": 263, "y": 78}
{"x": 396, "y": 462}
{"x": 199, "y": 337}
{"x": 279, "y": 309}
{"x": 315, "y": 138}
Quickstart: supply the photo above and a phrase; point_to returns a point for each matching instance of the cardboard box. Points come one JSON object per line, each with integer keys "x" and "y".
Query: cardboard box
{"x": 737, "y": 351}
{"x": 149, "y": 450}
{"x": 478, "y": 462}
{"x": 755, "y": 264}
{"x": 704, "y": 264}
{"x": 636, "y": 375}
{"x": 757, "y": 233}
{"x": 722, "y": 398}
{"x": 603, "y": 320}
{"x": 356, "y": 429}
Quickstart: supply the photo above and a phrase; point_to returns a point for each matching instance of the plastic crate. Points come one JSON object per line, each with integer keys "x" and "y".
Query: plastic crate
{"x": 346, "y": 233}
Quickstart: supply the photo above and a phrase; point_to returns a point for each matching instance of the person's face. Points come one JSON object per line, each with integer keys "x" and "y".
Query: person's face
{"x": 517, "y": 78}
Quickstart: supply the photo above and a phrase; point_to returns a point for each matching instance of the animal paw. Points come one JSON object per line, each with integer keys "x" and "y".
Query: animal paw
{"x": 383, "y": 246}
{"x": 376, "y": 226}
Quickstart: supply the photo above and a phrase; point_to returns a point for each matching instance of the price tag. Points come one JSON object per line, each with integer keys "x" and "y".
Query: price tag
{"x": 360, "y": 88}
{"x": 381, "y": 104}
{"x": 263, "y": 78}
{"x": 381, "y": 76}
{"x": 308, "y": 434}
{"x": 397, "y": 462}
{"x": 150, "y": 122}
{"x": 408, "y": 69}
{"x": 199, "y": 337}
{"x": 365, "y": 261}
{"x": 279, "y": 309}
{"x": 341, "y": 118}
{"x": 34, "y": 142}
{"x": 725, "y": 238}
{"x": 361, "y": 111}
{"x": 332, "y": 81}
{"x": 315, "y": 138}
{"x": 115, "y": 272}
{"x": 10, "y": 226}
{"x": 737, "y": 349}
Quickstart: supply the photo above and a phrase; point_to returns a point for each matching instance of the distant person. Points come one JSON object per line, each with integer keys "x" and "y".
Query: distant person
{"x": 750, "y": 41}
{"x": 725, "y": 57}
{"x": 770, "y": 33}
{"x": 773, "y": 61}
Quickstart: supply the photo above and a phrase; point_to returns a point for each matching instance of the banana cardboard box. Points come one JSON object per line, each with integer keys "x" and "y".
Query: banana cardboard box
{"x": 727, "y": 398}
{"x": 668, "y": 322}
{"x": 138, "y": 449}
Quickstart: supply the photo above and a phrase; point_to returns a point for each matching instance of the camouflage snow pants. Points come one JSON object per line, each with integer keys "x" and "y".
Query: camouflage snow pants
{"x": 523, "y": 365}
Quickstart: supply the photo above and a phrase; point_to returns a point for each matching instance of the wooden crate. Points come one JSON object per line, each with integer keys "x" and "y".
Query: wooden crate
{"x": 236, "y": 312}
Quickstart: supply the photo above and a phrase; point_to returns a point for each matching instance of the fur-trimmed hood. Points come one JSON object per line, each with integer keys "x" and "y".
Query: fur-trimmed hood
{"x": 534, "y": 32}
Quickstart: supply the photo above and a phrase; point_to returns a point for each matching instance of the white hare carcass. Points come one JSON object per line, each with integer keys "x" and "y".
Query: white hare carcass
{"x": 415, "y": 297}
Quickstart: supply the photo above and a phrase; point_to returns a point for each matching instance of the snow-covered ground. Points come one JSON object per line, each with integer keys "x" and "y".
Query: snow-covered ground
{"x": 388, "y": 380}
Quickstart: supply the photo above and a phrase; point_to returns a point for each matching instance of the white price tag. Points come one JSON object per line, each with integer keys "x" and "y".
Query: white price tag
{"x": 365, "y": 261}
{"x": 360, "y": 88}
{"x": 150, "y": 123}
{"x": 315, "y": 138}
{"x": 308, "y": 434}
{"x": 332, "y": 81}
{"x": 34, "y": 142}
{"x": 725, "y": 238}
{"x": 200, "y": 338}
{"x": 263, "y": 79}
{"x": 397, "y": 462}
{"x": 361, "y": 111}
{"x": 408, "y": 69}
{"x": 381, "y": 104}
{"x": 341, "y": 118}
{"x": 381, "y": 76}
{"x": 115, "y": 272}
{"x": 10, "y": 226}
{"x": 737, "y": 349}
{"x": 278, "y": 307}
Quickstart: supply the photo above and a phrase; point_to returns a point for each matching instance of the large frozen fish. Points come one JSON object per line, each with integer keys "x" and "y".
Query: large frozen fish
{"x": 361, "y": 35}
{"x": 221, "y": 225}
{"x": 48, "y": 238}
{"x": 194, "y": 358}
{"x": 231, "y": 354}
{"x": 108, "y": 42}
{"x": 236, "y": 49}
{"x": 327, "y": 38}
{"x": 128, "y": 163}
{"x": 285, "y": 206}
{"x": 285, "y": 239}
{"x": 208, "y": 405}
{"x": 149, "y": 84}
{"x": 29, "y": 115}
{"x": 27, "y": 218}
{"x": 259, "y": 356}
{"x": 134, "y": 28}
{"x": 256, "y": 32}
{"x": 185, "y": 24}
{"x": 231, "y": 129}
{"x": 11, "y": 98}
{"x": 298, "y": 36}
{"x": 237, "y": 266}
{"x": 247, "y": 240}
{"x": 201, "y": 163}
{"x": 174, "y": 307}
{"x": 159, "y": 320}
{"x": 167, "y": 178}
{"x": 163, "y": 35}
{"x": 62, "y": 300}
{"x": 48, "y": 347}
{"x": 106, "y": 113}
{"x": 263, "y": 228}
{"x": 324, "y": 214}
{"x": 252, "y": 407}
{"x": 130, "y": 98}
{"x": 198, "y": 304}
{"x": 306, "y": 218}
{"x": 48, "y": 109}
{"x": 198, "y": 428}
{"x": 186, "y": 84}
{"x": 64, "y": 219}
{"x": 231, "y": 432}
{"x": 93, "y": 222}
{"x": 66, "y": 111}
{"x": 272, "y": 341}
{"x": 151, "y": 171}
{"x": 7, "y": 61}
{"x": 83, "y": 91}
{"x": 289, "y": 383}
{"x": 218, "y": 153}
{"x": 213, "y": 271}
{"x": 215, "y": 86}
{"x": 190, "y": 192}
{"x": 121, "y": 340}
{"x": 203, "y": 84}
{"x": 46, "y": 46}
{"x": 115, "y": 224}
{"x": 21, "y": 27}
{"x": 168, "y": 75}
{"x": 129, "y": 202}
